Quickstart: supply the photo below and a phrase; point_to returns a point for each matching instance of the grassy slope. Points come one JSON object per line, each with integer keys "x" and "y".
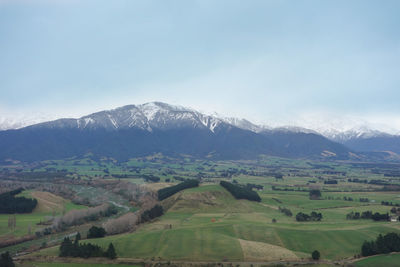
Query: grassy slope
{"x": 46, "y": 204}
{"x": 207, "y": 223}
{"x": 391, "y": 260}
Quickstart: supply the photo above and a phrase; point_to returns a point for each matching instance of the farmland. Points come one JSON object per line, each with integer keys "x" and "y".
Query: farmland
{"x": 48, "y": 205}
{"x": 207, "y": 223}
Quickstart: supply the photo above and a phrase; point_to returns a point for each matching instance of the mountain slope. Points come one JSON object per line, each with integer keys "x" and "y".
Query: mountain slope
{"x": 138, "y": 130}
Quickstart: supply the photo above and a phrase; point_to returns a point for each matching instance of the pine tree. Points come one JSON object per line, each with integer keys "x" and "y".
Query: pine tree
{"x": 66, "y": 248}
{"x": 6, "y": 260}
{"x": 110, "y": 253}
{"x": 76, "y": 249}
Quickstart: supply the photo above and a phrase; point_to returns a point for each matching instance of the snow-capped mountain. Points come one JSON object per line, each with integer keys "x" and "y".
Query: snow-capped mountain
{"x": 354, "y": 133}
{"x": 14, "y": 123}
{"x": 139, "y": 130}
{"x": 154, "y": 127}
{"x": 242, "y": 123}
{"x": 149, "y": 116}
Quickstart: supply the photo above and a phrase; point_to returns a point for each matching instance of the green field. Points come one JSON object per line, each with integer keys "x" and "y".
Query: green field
{"x": 48, "y": 206}
{"x": 209, "y": 224}
{"x": 391, "y": 260}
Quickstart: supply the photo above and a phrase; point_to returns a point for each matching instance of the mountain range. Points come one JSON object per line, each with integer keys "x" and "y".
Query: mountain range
{"x": 140, "y": 130}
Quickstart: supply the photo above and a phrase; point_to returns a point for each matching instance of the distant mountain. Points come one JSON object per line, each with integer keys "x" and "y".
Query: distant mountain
{"x": 139, "y": 130}
{"x": 366, "y": 140}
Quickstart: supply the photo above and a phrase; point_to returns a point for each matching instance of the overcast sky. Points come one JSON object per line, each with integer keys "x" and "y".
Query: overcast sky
{"x": 273, "y": 62}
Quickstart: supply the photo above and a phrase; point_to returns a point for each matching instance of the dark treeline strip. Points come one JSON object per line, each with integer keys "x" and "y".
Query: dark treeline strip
{"x": 382, "y": 245}
{"x": 303, "y": 217}
{"x": 368, "y": 215}
{"x": 169, "y": 191}
{"x": 387, "y": 203}
{"x": 152, "y": 213}
{"x": 240, "y": 192}
{"x": 10, "y": 204}
{"x": 331, "y": 182}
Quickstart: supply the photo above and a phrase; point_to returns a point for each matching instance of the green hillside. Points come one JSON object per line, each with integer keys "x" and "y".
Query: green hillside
{"x": 207, "y": 223}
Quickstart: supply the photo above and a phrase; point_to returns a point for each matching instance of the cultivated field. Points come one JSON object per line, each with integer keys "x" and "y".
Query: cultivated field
{"x": 207, "y": 224}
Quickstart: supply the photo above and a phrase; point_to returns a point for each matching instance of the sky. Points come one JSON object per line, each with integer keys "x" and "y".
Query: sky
{"x": 310, "y": 63}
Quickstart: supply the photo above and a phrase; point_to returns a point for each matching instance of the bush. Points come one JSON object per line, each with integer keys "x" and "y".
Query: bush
{"x": 315, "y": 194}
{"x": 240, "y": 192}
{"x": 96, "y": 232}
{"x": 285, "y": 211}
{"x": 169, "y": 191}
{"x": 315, "y": 255}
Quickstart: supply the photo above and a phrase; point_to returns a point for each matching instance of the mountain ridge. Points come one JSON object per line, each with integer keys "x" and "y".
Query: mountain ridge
{"x": 159, "y": 127}
{"x": 156, "y": 127}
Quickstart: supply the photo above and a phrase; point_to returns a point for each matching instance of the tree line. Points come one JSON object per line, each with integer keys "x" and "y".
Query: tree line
{"x": 368, "y": 215}
{"x": 303, "y": 217}
{"x": 240, "y": 192}
{"x": 152, "y": 213}
{"x": 169, "y": 191}
{"x": 382, "y": 245}
{"x": 85, "y": 250}
{"x": 10, "y": 204}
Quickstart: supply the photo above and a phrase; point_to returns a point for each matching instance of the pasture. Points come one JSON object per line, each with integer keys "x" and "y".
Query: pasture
{"x": 48, "y": 205}
{"x": 207, "y": 223}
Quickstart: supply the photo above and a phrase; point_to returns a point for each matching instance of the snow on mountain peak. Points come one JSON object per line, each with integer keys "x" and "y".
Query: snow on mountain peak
{"x": 158, "y": 115}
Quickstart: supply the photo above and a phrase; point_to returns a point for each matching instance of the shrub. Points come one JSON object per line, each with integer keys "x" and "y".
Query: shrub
{"x": 96, "y": 232}
{"x": 315, "y": 255}
{"x": 315, "y": 194}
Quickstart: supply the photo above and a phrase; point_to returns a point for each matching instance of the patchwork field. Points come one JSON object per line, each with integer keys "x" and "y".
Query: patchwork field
{"x": 207, "y": 223}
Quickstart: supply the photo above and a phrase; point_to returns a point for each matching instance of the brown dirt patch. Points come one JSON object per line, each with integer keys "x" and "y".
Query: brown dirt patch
{"x": 259, "y": 251}
{"x": 48, "y": 202}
